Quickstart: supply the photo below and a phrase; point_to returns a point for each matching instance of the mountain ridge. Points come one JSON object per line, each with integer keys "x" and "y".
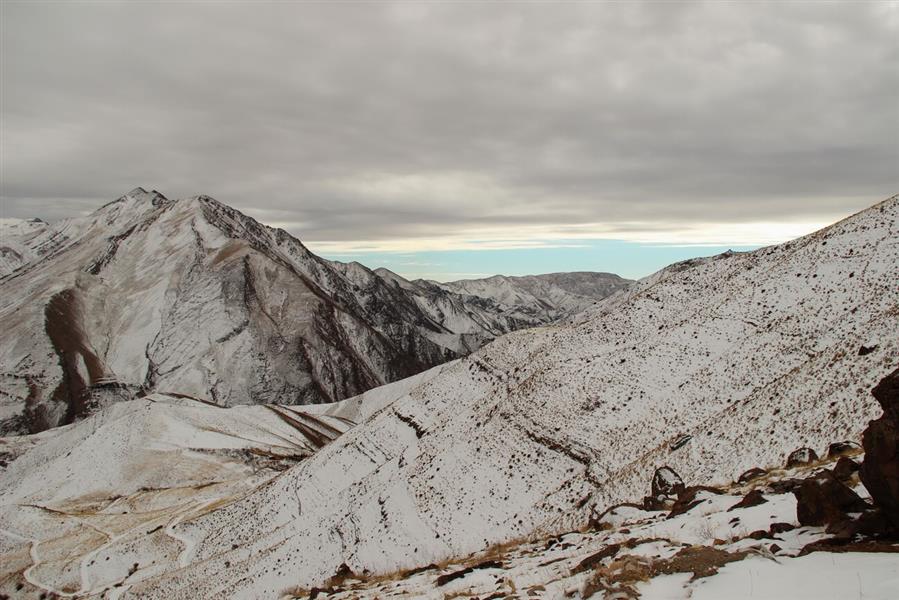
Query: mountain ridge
{"x": 191, "y": 296}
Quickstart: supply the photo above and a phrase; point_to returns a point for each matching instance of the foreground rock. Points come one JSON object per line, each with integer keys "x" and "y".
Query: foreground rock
{"x": 666, "y": 484}
{"x": 823, "y": 500}
{"x": 800, "y": 457}
{"x": 880, "y": 469}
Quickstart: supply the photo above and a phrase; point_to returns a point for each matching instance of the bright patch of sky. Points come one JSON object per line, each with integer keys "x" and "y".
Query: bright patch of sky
{"x": 628, "y": 259}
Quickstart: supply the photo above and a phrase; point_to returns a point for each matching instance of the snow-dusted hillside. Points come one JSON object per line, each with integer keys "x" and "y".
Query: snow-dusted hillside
{"x": 190, "y": 296}
{"x": 711, "y": 367}
{"x": 550, "y": 297}
{"x": 16, "y": 237}
{"x": 482, "y": 309}
{"x": 135, "y": 469}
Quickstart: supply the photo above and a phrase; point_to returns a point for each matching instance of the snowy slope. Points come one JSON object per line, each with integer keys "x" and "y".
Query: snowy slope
{"x": 190, "y": 296}
{"x": 718, "y": 549}
{"x": 750, "y": 355}
{"x": 137, "y": 466}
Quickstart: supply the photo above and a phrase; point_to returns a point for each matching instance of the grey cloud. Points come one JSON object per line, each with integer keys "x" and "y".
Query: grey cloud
{"x": 573, "y": 112}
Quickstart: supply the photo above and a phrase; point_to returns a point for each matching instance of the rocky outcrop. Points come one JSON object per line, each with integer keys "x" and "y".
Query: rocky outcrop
{"x": 845, "y": 468}
{"x": 751, "y": 475}
{"x": 688, "y": 498}
{"x": 880, "y": 469}
{"x": 842, "y": 448}
{"x": 666, "y": 484}
{"x": 801, "y": 456}
{"x": 753, "y": 498}
{"x": 823, "y": 500}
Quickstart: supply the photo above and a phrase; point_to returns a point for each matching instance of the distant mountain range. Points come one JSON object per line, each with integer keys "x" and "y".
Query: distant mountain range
{"x": 150, "y": 294}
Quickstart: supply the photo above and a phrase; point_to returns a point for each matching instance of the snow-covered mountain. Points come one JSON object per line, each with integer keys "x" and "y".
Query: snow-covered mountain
{"x": 190, "y": 296}
{"x": 711, "y": 366}
{"x": 553, "y": 296}
{"x": 522, "y": 301}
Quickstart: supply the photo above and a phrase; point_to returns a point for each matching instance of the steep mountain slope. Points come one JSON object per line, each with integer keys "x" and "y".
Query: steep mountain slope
{"x": 712, "y": 367}
{"x": 151, "y": 294}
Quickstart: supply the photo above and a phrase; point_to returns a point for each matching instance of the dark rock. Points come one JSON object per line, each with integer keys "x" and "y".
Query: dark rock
{"x": 823, "y": 500}
{"x": 801, "y": 456}
{"x": 846, "y": 545}
{"x": 874, "y": 523}
{"x": 845, "y": 468}
{"x": 880, "y": 469}
{"x": 686, "y": 499}
{"x": 596, "y": 558}
{"x": 841, "y": 448}
{"x": 887, "y": 394}
{"x": 680, "y": 442}
{"x": 447, "y": 577}
{"x": 774, "y": 548}
{"x": 784, "y": 486}
{"x": 751, "y": 474}
{"x": 753, "y": 498}
{"x": 759, "y": 534}
{"x": 865, "y": 350}
{"x": 776, "y": 528}
{"x": 665, "y": 482}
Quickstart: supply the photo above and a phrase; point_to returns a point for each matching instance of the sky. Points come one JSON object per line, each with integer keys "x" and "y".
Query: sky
{"x": 458, "y": 139}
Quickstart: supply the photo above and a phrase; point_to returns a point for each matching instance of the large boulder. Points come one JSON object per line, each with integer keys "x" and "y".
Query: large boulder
{"x": 690, "y": 497}
{"x": 666, "y": 482}
{"x": 837, "y": 449}
{"x": 880, "y": 469}
{"x": 801, "y": 456}
{"x": 751, "y": 474}
{"x": 845, "y": 468}
{"x": 823, "y": 500}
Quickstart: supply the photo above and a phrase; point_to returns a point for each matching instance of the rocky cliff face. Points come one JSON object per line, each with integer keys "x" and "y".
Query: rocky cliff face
{"x": 152, "y": 294}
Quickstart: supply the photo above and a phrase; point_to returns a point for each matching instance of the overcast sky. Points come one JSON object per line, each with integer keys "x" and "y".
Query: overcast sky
{"x": 372, "y": 130}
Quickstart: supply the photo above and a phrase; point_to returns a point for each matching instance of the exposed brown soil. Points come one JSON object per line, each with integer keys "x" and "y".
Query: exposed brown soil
{"x": 618, "y": 579}
{"x": 64, "y": 328}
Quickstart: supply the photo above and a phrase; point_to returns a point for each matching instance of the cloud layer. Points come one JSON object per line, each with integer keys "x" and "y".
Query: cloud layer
{"x": 442, "y": 124}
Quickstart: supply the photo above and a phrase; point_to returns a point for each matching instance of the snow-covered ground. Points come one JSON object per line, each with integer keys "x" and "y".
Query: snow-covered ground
{"x": 713, "y": 551}
{"x": 74, "y": 499}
